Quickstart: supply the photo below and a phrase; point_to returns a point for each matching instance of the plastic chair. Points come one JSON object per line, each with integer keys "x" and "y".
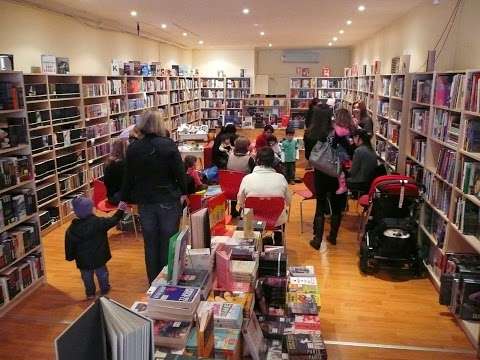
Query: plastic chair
{"x": 230, "y": 183}
{"x": 101, "y": 203}
{"x": 267, "y": 209}
{"x": 306, "y": 194}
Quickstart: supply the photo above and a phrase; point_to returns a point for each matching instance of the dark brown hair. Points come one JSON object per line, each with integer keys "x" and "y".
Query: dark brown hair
{"x": 265, "y": 157}
{"x": 241, "y": 145}
{"x": 321, "y": 124}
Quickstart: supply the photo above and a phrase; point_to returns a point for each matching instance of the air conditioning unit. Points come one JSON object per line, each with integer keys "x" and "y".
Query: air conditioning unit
{"x": 300, "y": 56}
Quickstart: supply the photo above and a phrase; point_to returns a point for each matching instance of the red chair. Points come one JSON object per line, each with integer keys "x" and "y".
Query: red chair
{"x": 207, "y": 155}
{"x": 267, "y": 209}
{"x": 101, "y": 203}
{"x": 307, "y": 194}
{"x": 230, "y": 183}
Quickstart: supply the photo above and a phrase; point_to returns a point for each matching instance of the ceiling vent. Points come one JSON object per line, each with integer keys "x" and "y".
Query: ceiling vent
{"x": 300, "y": 56}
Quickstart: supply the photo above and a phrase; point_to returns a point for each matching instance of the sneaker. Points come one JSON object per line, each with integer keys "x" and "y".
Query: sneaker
{"x": 323, "y": 247}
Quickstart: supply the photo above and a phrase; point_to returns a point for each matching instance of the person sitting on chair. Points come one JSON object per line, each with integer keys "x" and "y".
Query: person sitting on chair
{"x": 265, "y": 181}
{"x": 364, "y": 163}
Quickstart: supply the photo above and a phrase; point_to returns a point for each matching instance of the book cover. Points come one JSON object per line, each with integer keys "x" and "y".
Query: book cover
{"x": 171, "y": 329}
{"x": 205, "y": 334}
{"x": 302, "y": 271}
{"x": 175, "y": 294}
{"x": 254, "y": 340}
{"x": 227, "y": 343}
{"x": 176, "y": 255}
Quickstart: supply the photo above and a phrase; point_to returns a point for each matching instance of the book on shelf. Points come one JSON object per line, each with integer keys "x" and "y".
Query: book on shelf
{"x": 446, "y": 164}
{"x": 467, "y": 217}
{"x": 470, "y": 178}
{"x": 106, "y": 330}
{"x": 472, "y": 101}
{"x": 449, "y": 90}
{"x": 418, "y": 148}
{"x": 420, "y": 119}
{"x": 472, "y": 136}
{"x": 421, "y": 91}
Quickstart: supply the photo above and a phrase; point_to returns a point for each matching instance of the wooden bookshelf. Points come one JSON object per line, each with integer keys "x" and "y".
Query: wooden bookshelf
{"x": 221, "y": 100}
{"x": 436, "y": 128}
{"x": 261, "y": 110}
{"x": 25, "y": 270}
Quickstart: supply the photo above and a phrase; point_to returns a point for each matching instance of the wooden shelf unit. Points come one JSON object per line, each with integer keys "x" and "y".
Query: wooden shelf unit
{"x": 425, "y": 142}
{"x": 359, "y": 88}
{"x": 26, "y": 269}
{"x": 221, "y": 100}
{"x": 259, "y": 110}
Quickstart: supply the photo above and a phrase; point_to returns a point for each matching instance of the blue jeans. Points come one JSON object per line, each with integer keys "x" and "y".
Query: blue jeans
{"x": 102, "y": 278}
{"x": 159, "y": 223}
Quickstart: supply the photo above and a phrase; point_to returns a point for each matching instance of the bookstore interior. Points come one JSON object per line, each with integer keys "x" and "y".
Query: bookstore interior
{"x": 113, "y": 113}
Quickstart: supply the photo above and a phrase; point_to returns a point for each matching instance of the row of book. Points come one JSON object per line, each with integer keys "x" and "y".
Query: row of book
{"x": 64, "y": 90}
{"x": 67, "y": 137}
{"x": 14, "y": 170}
{"x": 398, "y": 86}
{"x": 435, "y": 225}
{"x": 65, "y": 114}
{"x": 238, "y": 83}
{"x": 472, "y": 102}
{"x": 69, "y": 182}
{"x": 329, "y": 83}
{"x": 446, "y": 126}
{"x": 96, "y": 172}
{"x": 16, "y": 206}
{"x": 98, "y": 130}
{"x": 11, "y": 96}
{"x": 420, "y": 119}
{"x": 328, "y": 94}
{"x": 421, "y": 91}
{"x": 38, "y": 118}
{"x": 414, "y": 170}
{"x": 472, "y": 136}
{"x": 449, "y": 90}
{"x": 97, "y": 151}
{"x": 237, "y": 93}
{"x": 19, "y": 277}
{"x": 116, "y": 87}
{"x": 96, "y": 110}
{"x": 460, "y": 285}
{"x": 437, "y": 192}
{"x": 302, "y": 94}
{"x": 93, "y": 90}
{"x": 467, "y": 217}
{"x": 302, "y": 83}
{"x": 117, "y": 106}
{"x": 470, "y": 178}
{"x": 17, "y": 242}
{"x": 213, "y": 83}
{"x": 384, "y": 88}
{"x": 418, "y": 148}
{"x": 212, "y": 104}
{"x": 446, "y": 164}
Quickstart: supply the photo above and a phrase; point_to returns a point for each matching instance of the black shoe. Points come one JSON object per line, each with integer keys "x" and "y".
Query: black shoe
{"x": 105, "y": 292}
{"x": 332, "y": 240}
{"x": 315, "y": 244}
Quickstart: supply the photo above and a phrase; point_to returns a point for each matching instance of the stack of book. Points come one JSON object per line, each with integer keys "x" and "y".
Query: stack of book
{"x": 243, "y": 271}
{"x": 225, "y": 315}
{"x": 306, "y": 346}
{"x": 171, "y": 333}
{"x": 272, "y": 263}
{"x": 173, "y": 303}
{"x": 300, "y": 302}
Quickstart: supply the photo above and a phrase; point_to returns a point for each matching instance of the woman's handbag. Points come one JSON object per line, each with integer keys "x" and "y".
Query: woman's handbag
{"x": 324, "y": 157}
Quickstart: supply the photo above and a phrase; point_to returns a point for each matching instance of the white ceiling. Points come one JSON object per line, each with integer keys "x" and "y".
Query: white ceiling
{"x": 221, "y": 23}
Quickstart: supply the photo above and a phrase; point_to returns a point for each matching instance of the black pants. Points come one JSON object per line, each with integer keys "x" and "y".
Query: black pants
{"x": 290, "y": 171}
{"x": 159, "y": 223}
{"x": 325, "y": 187}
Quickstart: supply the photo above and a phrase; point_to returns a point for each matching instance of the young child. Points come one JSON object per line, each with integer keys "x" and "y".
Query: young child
{"x": 86, "y": 242}
{"x": 289, "y": 147}
{"x": 343, "y": 131}
{"x": 190, "y": 163}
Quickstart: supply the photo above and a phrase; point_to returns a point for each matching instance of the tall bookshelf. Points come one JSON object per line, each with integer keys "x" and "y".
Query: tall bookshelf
{"x": 236, "y": 90}
{"x": 302, "y": 91}
{"x": 22, "y": 266}
{"x": 389, "y": 118}
{"x": 329, "y": 88}
{"x": 259, "y": 110}
{"x": 440, "y": 146}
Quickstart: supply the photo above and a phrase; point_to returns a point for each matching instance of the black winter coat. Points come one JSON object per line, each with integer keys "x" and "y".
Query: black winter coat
{"x": 86, "y": 240}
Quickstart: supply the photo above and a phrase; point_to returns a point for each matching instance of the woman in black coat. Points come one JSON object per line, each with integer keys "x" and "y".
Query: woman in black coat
{"x": 325, "y": 186}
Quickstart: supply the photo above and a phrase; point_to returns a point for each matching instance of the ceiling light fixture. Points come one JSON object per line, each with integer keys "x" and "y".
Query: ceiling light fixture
{"x": 184, "y": 34}
{"x": 256, "y": 25}
{"x": 200, "y": 42}
{"x": 270, "y": 45}
{"x": 262, "y": 33}
{"x": 361, "y": 8}
{"x": 334, "y": 38}
{"x": 246, "y": 11}
{"x": 341, "y": 31}
{"x": 133, "y": 13}
{"x": 349, "y": 22}
{"x": 164, "y": 26}
{"x": 330, "y": 44}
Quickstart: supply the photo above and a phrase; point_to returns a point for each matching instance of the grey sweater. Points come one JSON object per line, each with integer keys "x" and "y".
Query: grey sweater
{"x": 364, "y": 164}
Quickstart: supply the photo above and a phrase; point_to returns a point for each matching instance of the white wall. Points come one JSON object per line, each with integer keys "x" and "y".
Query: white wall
{"x": 418, "y": 31}
{"x": 269, "y": 63}
{"x": 209, "y": 61}
{"x": 33, "y": 32}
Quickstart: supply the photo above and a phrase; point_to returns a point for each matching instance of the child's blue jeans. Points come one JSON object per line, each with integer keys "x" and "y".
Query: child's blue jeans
{"x": 102, "y": 278}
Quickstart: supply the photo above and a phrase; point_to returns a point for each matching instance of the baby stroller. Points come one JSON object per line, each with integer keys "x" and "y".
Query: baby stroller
{"x": 390, "y": 232}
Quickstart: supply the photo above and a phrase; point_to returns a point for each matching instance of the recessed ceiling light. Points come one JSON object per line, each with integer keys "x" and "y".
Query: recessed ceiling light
{"x": 200, "y": 42}
{"x": 164, "y": 26}
{"x": 133, "y": 13}
{"x": 349, "y": 22}
{"x": 334, "y": 38}
{"x": 361, "y": 8}
{"x": 256, "y": 25}
{"x": 270, "y": 45}
{"x": 184, "y": 34}
{"x": 262, "y": 33}
{"x": 246, "y": 11}
{"x": 341, "y": 31}
{"x": 330, "y": 44}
